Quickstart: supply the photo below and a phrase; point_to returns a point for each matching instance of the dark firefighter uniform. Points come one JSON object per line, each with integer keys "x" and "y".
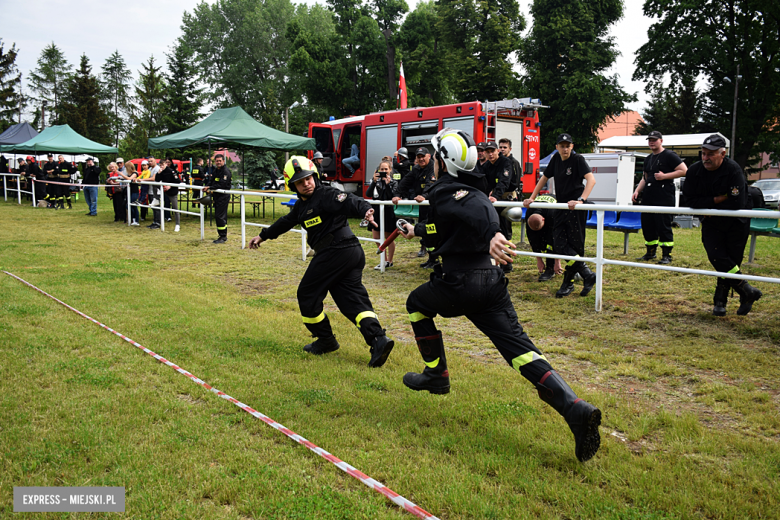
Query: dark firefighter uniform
{"x": 498, "y": 176}
{"x": 569, "y": 230}
{"x": 401, "y": 168}
{"x": 63, "y": 172}
{"x": 34, "y": 173}
{"x": 198, "y": 174}
{"x": 337, "y": 267}
{"x": 724, "y": 238}
{"x": 52, "y": 190}
{"x": 542, "y": 241}
{"x": 657, "y": 227}
{"x": 221, "y": 180}
{"x": 412, "y": 185}
{"x": 460, "y": 226}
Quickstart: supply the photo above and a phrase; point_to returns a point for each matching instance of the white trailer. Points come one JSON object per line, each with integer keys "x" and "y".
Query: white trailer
{"x": 614, "y": 173}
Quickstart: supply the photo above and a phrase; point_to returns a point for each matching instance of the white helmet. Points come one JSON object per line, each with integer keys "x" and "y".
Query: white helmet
{"x": 457, "y": 149}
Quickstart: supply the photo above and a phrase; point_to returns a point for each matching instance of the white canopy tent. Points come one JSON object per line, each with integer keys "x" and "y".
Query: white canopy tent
{"x": 684, "y": 145}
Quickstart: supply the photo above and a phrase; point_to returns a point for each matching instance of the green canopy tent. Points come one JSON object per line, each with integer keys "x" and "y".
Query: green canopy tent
{"x": 60, "y": 139}
{"x": 233, "y": 126}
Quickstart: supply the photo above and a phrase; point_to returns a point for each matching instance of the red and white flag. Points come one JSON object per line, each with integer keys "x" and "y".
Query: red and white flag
{"x": 402, "y": 88}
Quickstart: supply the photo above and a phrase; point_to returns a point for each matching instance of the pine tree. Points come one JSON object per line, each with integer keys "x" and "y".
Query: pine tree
{"x": 81, "y": 108}
{"x": 148, "y": 113}
{"x": 10, "y": 87}
{"x": 50, "y": 79}
{"x": 566, "y": 56}
{"x": 115, "y": 85}
{"x": 184, "y": 97}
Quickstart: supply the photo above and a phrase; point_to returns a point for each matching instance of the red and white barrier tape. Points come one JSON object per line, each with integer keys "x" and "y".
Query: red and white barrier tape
{"x": 343, "y": 466}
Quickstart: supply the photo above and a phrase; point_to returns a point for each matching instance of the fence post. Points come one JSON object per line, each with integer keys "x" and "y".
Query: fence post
{"x": 243, "y": 223}
{"x": 202, "y": 217}
{"x": 32, "y": 185}
{"x": 128, "y": 219}
{"x": 382, "y": 236}
{"x": 599, "y": 257}
{"x": 303, "y": 244}
{"x": 162, "y": 207}
{"x": 19, "y": 189}
{"x": 5, "y": 190}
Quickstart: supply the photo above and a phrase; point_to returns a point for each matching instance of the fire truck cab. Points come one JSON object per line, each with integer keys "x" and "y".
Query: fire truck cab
{"x": 383, "y": 133}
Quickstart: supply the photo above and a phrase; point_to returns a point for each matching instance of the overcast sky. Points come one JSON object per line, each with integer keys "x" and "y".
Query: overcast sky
{"x": 141, "y": 28}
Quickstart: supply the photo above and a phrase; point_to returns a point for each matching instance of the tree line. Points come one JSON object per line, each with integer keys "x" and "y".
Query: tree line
{"x": 342, "y": 58}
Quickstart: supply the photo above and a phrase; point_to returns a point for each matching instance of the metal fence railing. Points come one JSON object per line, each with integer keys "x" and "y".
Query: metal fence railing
{"x": 599, "y": 260}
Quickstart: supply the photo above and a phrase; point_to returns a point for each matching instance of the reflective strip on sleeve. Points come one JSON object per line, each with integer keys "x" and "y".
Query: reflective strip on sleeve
{"x": 526, "y": 358}
{"x": 365, "y": 314}
{"x": 432, "y": 364}
{"x": 418, "y": 316}
{"x": 733, "y": 270}
{"x": 314, "y": 320}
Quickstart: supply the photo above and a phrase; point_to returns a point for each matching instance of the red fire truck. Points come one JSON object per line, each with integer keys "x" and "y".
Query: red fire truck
{"x": 382, "y": 133}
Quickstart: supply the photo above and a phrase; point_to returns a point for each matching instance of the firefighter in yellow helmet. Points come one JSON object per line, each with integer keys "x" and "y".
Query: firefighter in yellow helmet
{"x": 337, "y": 266}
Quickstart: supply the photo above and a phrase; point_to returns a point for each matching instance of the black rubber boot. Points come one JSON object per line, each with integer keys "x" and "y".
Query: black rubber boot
{"x": 422, "y": 252}
{"x": 435, "y": 378}
{"x": 568, "y": 282}
{"x": 588, "y": 280}
{"x": 582, "y": 417}
{"x": 381, "y": 346}
{"x": 322, "y": 346}
{"x": 549, "y": 270}
{"x": 220, "y": 240}
{"x": 649, "y": 255}
{"x": 748, "y": 295}
{"x": 721, "y": 298}
{"x": 666, "y": 256}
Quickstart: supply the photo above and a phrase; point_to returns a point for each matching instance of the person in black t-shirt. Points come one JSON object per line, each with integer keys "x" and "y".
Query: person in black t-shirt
{"x": 568, "y": 170}
{"x": 717, "y": 182}
{"x": 657, "y": 189}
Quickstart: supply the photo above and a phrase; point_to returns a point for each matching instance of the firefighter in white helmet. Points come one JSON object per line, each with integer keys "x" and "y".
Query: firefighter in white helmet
{"x": 463, "y": 229}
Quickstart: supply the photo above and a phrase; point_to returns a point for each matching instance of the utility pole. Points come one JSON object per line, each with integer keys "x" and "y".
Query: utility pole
{"x": 734, "y": 115}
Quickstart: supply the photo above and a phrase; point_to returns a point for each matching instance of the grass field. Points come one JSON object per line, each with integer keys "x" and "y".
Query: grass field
{"x": 690, "y": 402}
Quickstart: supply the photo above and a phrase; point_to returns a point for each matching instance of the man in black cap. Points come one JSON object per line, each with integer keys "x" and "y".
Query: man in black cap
{"x": 337, "y": 266}
{"x": 657, "y": 189}
{"x": 498, "y": 172}
{"x": 416, "y": 184}
{"x": 482, "y": 159}
{"x": 568, "y": 170}
{"x": 717, "y": 182}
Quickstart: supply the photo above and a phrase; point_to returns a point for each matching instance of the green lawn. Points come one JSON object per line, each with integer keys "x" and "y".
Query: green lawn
{"x": 690, "y": 402}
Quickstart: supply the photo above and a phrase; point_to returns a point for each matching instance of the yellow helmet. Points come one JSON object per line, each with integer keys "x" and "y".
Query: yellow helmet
{"x": 297, "y": 168}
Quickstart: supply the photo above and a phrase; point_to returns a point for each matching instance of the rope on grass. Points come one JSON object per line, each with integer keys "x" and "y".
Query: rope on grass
{"x": 343, "y": 466}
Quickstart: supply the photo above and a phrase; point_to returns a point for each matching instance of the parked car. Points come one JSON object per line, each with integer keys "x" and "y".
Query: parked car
{"x": 771, "y": 190}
